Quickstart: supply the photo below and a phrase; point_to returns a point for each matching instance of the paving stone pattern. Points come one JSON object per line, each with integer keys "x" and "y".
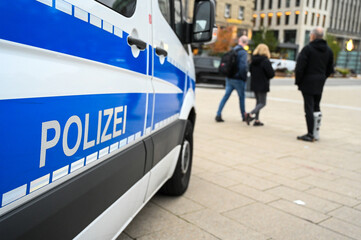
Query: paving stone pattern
{"x": 260, "y": 182}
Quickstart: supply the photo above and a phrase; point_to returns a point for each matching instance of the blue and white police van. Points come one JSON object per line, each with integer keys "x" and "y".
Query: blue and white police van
{"x": 97, "y": 111}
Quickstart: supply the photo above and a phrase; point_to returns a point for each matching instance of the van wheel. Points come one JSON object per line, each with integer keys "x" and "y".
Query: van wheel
{"x": 178, "y": 183}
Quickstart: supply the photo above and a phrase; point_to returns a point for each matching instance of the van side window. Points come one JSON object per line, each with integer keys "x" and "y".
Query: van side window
{"x": 124, "y": 7}
{"x": 178, "y": 17}
{"x": 164, "y": 6}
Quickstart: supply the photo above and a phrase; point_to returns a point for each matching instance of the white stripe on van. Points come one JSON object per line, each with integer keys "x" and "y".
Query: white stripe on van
{"x": 57, "y": 74}
{"x": 39, "y": 183}
{"x": 13, "y": 195}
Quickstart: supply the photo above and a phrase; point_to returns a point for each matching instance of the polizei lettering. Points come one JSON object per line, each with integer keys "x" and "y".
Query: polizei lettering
{"x": 104, "y": 131}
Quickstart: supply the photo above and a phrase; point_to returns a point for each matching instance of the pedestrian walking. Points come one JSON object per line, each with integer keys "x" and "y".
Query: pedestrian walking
{"x": 261, "y": 74}
{"x": 237, "y": 81}
{"x": 314, "y": 65}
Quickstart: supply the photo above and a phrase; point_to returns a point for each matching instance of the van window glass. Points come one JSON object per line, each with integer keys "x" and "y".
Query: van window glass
{"x": 164, "y": 7}
{"x": 178, "y": 18}
{"x": 124, "y": 7}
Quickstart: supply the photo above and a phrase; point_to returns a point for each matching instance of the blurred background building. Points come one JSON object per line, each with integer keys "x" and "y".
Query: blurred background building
{"x": 291, "y": 22}
{"x": 345, "y": 26}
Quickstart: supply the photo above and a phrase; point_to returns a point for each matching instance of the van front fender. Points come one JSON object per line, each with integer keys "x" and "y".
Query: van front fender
{"x": 188, "y": 104}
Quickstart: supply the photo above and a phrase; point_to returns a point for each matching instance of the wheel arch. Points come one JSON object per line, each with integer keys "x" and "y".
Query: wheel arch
{"x": 188, "y": 110}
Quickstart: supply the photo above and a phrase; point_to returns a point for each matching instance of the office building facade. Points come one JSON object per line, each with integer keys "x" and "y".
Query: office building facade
{"x": 345, "y": 25}
{"x": 291, "y": 20}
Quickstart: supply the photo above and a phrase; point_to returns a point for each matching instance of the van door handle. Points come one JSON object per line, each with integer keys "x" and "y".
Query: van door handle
{"x": 161, "y": 51}
{"x": 141, "y": 45}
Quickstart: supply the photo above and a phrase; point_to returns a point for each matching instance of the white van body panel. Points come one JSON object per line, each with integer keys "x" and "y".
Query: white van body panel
{"x": 94, "y": 118}
{"x": 111, "y": 223}
{"x": 67, "y": 74}
{"x": 188, "y": 104}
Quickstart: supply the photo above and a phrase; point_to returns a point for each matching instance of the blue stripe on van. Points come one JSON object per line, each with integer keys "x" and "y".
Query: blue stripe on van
{"x": 169, "y": 72}
{"x": 166, "y": 105}
{"x": 36, "y": 24}
{"x": 33, "y": 23}
{"x": 21, "y": 133}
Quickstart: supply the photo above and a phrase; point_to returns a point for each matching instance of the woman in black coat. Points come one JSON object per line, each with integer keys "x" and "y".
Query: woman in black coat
{"x": 261, "y": 73}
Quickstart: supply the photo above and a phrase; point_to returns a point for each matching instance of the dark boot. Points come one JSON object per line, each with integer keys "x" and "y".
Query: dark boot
{"x": 306, "y": 137}
{"x": 249, "y": 118}
{"x": 219, "y": 119}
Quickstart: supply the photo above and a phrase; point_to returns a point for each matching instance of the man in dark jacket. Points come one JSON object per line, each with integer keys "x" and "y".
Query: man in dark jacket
{"x": 238, "y": 81}
{"x": 314, "y": 66}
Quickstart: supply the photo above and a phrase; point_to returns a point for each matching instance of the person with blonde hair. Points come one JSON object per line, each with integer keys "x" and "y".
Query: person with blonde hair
{"x": 261, "y": 73}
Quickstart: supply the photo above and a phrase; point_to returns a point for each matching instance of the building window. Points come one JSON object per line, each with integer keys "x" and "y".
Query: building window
{"x": 313, "y": 19}
{"x": 297, "y": 3}
{"x": 307, "y": 37}
{"x": 321, "y": 4}
{"x": 352, "y": 19}
{"x": 314, "y": 4}
{"x": 279, "y": 3}
{"x": 279, "y": 15}
{"x": 318, "y": 19}
{"x": 241, "y": 13}
{"x": 255, "y": 5}
{"x": 339, "y": 17}
{"x": 297, "y": 13}
{"x": 262, "y": 4}
{"x": 306, "y": 14}
{"x": 287, "y": 18}
{"x": 270, "y": 15}
{"x": 262, "y": 19}
{"x": 254, "y": 19}
{"x": 290, "y": 36}
{"x": 345, "y": 18}
{"x": 324, "y": 21}
{"x": 270, "y": 3}
{"x": 227, "y": 10}
{"x": 276, "y": 33}
{"x": 308, "y": 3}
{"x": 326, "y": 5}
{"x": 288, "y": 3}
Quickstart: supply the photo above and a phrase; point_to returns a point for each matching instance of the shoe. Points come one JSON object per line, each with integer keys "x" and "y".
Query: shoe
{"x": 306, "y": 137}
{"x": 249, "y": 118}
{"x": 256, "y": 124}
{"x": 219, "y": 119}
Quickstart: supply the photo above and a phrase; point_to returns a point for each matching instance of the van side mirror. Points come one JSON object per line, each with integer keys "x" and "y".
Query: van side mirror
{"x": 203, "y": 21}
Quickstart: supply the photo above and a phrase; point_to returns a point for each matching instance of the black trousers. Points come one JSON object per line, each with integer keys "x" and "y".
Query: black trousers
{"x": 260, "y": 103}
{"x": 311, "y": 104}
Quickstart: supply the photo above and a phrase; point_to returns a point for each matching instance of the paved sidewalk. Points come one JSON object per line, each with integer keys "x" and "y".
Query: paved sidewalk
{"x": 260, "y": 182}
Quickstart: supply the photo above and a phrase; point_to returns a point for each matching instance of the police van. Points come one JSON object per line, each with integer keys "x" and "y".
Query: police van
{"x": 96, "y": 112}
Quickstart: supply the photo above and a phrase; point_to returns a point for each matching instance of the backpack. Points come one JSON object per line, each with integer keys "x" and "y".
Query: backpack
{"x": 228, "y": 65}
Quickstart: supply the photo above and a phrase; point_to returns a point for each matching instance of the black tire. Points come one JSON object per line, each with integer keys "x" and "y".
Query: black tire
{"x": 178, "y": 183}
